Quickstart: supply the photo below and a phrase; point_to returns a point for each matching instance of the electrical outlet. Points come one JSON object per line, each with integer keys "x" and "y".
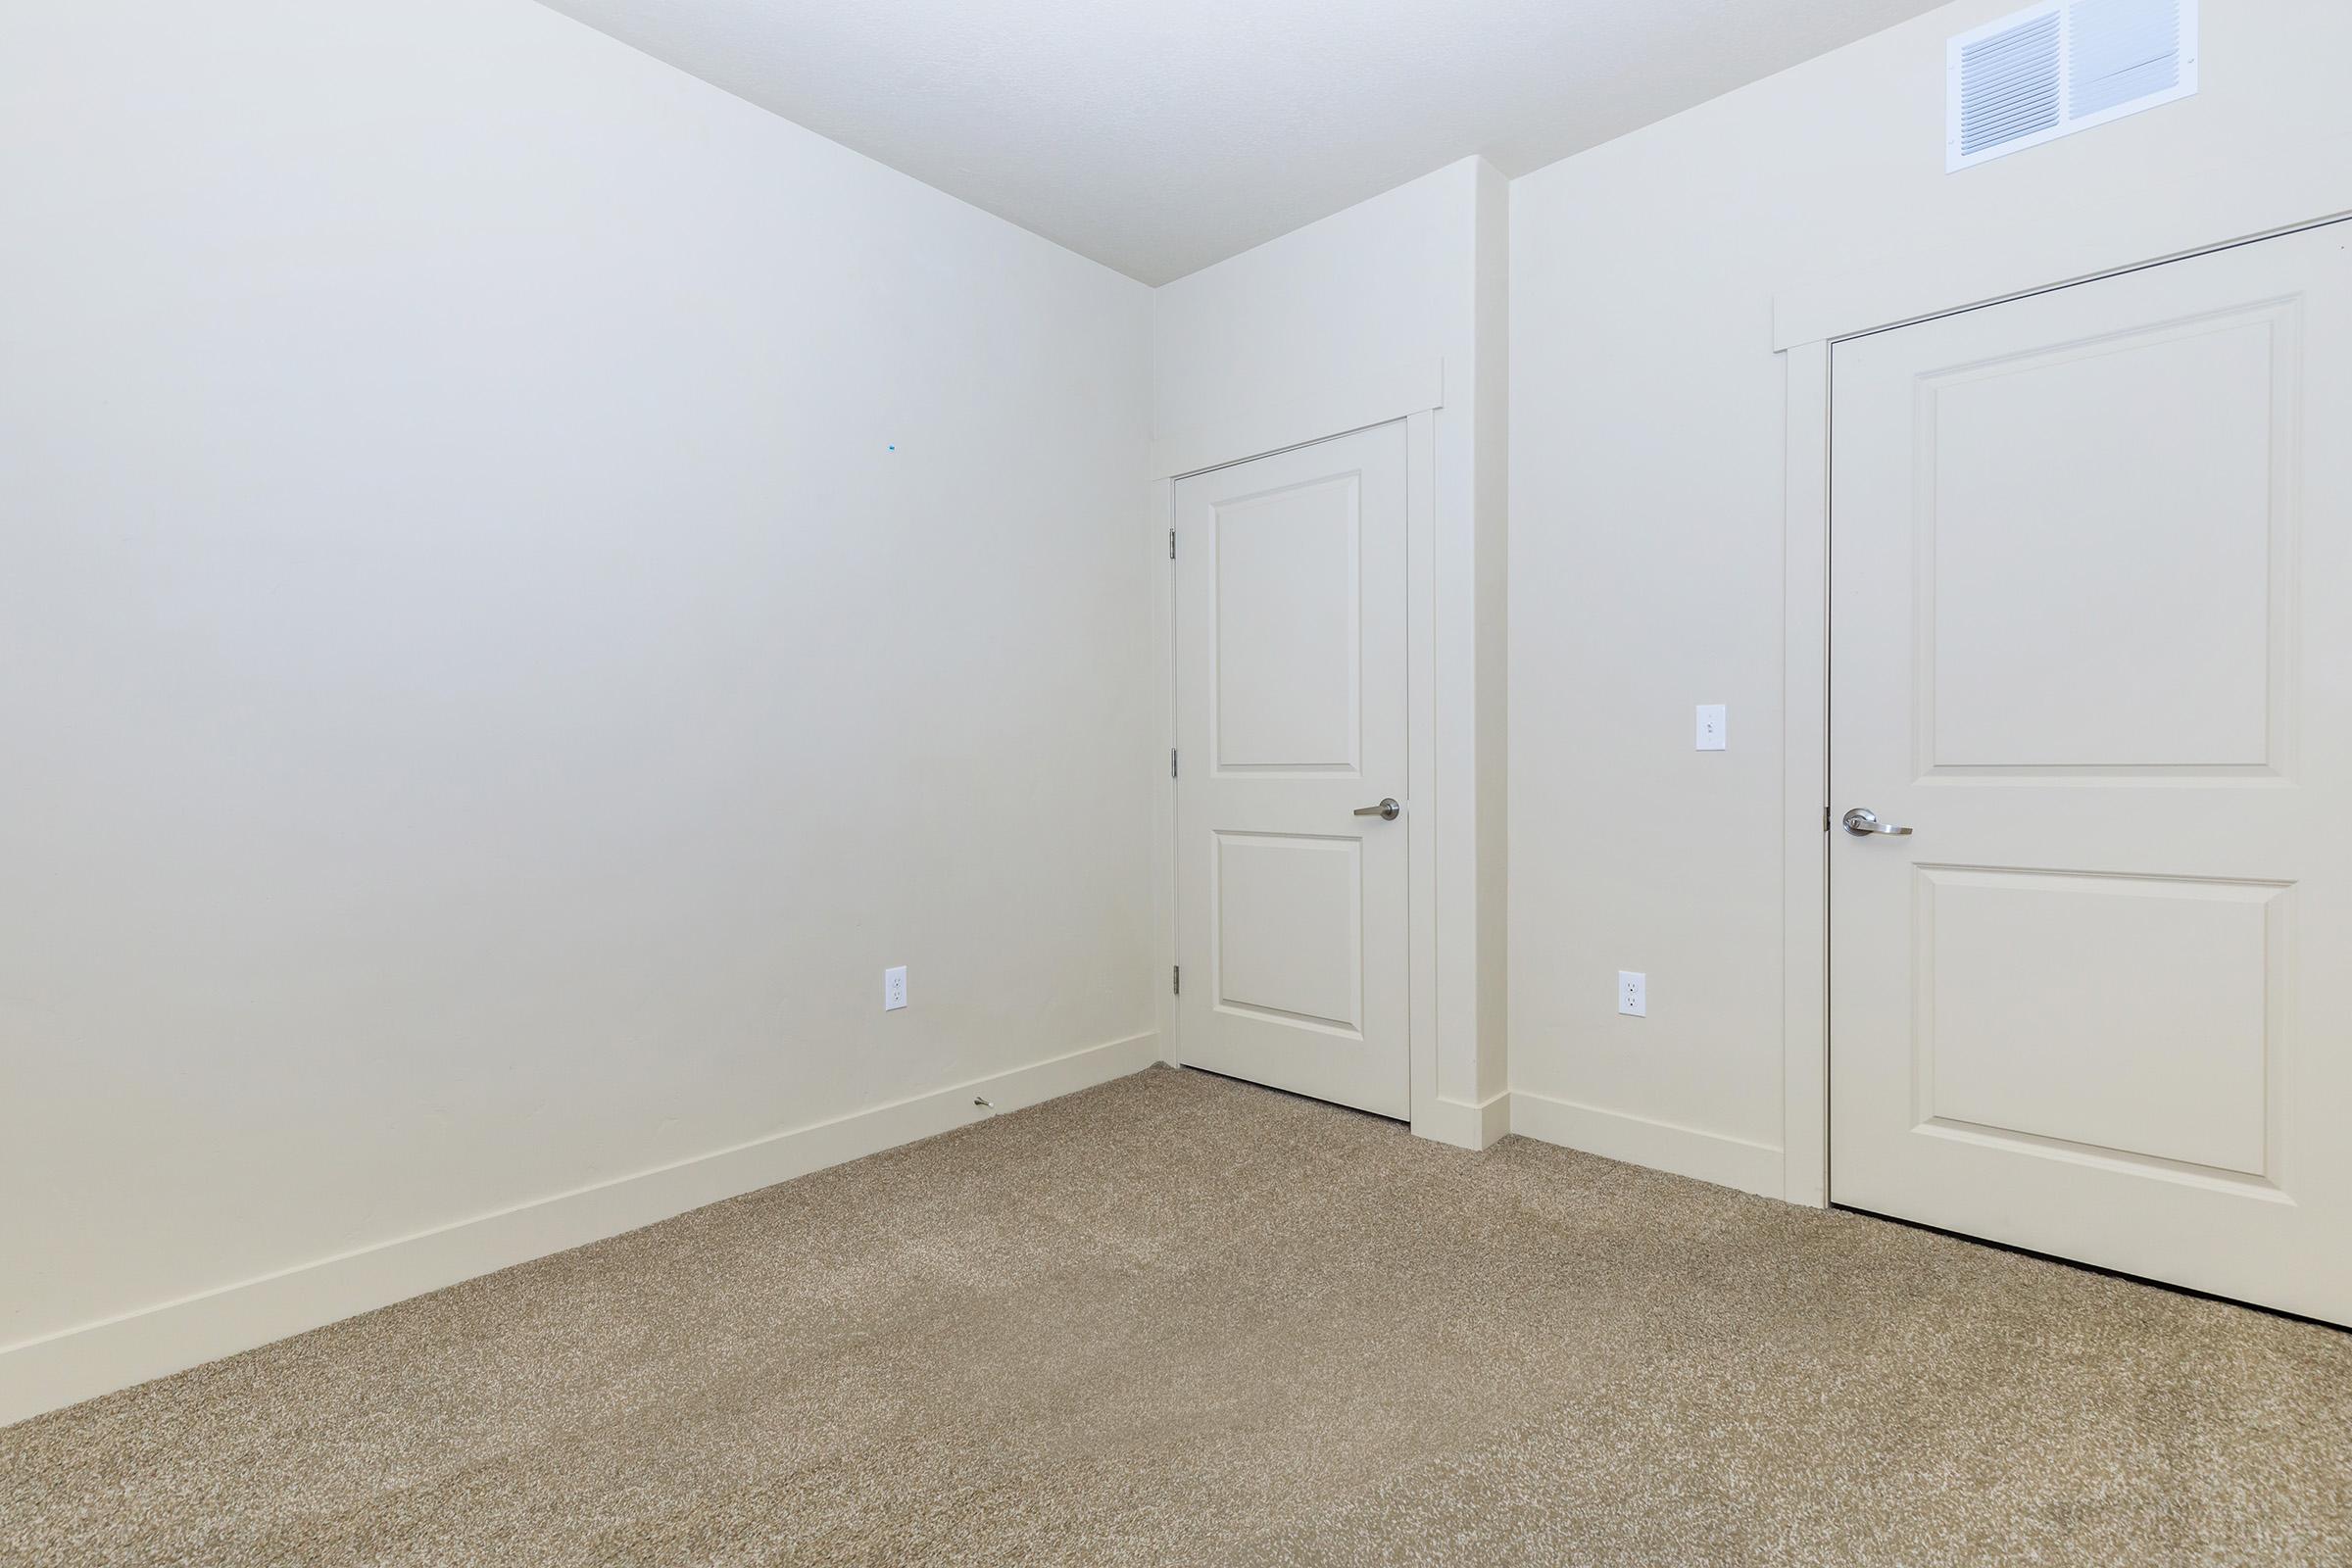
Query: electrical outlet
{"x": 893, "y": 989}
{"x": 1632, "y": 994}
{"x": 1711, "y": 727}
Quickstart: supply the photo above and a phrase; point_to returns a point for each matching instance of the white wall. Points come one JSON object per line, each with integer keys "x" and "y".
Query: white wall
{"x": 1646, "y": 529}
{"x": 1384, "y": 284}
{"x": 483, "y": 697}
{"x": 1415, "y": 275}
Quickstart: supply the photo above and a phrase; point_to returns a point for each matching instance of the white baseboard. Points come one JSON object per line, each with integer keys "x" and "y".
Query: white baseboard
{"x": 1638, "y": 1141}
{"x": 1465, "y": 1125}
{"x": 80, "y": 1363}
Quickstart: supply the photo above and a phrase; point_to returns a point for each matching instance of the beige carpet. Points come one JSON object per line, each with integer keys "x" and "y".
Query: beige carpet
{"x": 1178, "y": 1320}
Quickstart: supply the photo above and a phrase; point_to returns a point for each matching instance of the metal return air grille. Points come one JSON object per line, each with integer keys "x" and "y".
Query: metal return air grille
{"x": 2063, "y": 66}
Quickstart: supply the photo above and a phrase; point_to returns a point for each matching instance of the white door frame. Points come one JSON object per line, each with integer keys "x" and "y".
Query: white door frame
{"x": 1413, "y": 394}
{"x": 2150, "y": 226}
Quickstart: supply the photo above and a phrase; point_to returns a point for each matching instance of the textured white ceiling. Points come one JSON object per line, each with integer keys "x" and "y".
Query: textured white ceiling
{"x": 1161, "y": 137}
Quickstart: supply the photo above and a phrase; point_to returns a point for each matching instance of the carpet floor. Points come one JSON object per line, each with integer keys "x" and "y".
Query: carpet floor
{"x": 1180, "y": 1320}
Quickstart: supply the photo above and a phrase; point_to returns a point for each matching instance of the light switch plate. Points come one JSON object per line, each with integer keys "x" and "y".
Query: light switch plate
{"x": 1632, "y": 994}
{"x": 1710, "y": 726}
{"x": 893, "y": 989}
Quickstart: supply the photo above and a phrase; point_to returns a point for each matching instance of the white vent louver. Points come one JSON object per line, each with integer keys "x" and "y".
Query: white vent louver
{"x": 2063, "y": 66}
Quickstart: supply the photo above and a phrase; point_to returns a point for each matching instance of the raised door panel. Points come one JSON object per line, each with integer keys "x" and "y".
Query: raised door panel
{"x": 2132, "y": 1018}
{"x": 1289, "y": 929}
{"x": 1289, "y": 657}
{"x": 2101, "y": 543}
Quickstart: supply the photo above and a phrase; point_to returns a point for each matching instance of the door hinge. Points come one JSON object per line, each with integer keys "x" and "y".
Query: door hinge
{"x": 1171, "y": 761}
{"x": 1172, "y": 544}
{"x": 1176, "y": 980}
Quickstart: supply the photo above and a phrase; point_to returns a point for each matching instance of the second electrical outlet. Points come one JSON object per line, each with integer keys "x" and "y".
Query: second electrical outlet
{"x": 893, "y": 989}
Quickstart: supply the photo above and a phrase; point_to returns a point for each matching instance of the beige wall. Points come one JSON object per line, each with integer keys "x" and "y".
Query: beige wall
{"x": 1646, "y": 529}
{"x": 1415, "y": 275}
{"x": 484, "y": 700}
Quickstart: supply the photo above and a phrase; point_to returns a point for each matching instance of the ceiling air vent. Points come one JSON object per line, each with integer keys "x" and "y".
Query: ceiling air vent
{"x": 2064, "y": 67}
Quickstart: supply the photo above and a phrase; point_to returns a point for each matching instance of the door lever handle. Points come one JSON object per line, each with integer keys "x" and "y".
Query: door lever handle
{"x": 1387, "y": 811}
{"x": 1862, "y": 822}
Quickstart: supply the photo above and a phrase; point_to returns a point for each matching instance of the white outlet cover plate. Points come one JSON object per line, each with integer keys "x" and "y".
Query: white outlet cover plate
{"x": 893, "y": 989}
{"x": 1632, "y": 994}
{"x": 1711, "y": 727}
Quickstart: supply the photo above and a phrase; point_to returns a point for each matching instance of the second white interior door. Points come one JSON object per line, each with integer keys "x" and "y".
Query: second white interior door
{"x": 2093, "y": 550}
{"x": 1290, "y": 583}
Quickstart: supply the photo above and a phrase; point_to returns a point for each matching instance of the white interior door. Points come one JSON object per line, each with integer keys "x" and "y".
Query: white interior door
{"x": 2091, "y": 619}
{"x": 1289, "y": 720}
